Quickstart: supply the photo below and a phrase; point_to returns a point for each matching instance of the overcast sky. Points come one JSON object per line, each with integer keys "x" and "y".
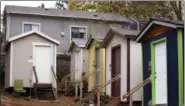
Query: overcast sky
{"x": 47, "y": 4}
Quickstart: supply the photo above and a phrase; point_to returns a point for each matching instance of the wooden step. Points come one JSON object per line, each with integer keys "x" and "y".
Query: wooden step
{"x": 44, "y": 91}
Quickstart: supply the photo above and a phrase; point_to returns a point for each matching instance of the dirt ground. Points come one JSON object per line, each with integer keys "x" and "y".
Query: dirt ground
{"x": 12, "y": 101}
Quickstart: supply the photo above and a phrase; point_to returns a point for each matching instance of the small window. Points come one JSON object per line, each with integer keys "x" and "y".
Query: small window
{"x": 30, "y": 27}
{"x": 78, "y": 32}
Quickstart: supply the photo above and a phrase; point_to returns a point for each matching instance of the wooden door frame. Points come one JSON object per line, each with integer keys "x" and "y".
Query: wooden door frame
{"x": 112, "y": 48}
{"x": 152, "y": 46}
{"x": 34, "y": 45}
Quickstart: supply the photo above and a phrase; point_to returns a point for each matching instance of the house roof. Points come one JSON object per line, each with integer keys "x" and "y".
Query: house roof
{"x": 33, "y": 32}
{"x": 9, "y": 9}
{"x": 96, "y": 38}
{"x": 162, "y": 22}
{"x": 118, "y": 31}
{"x": 78, "y": 42}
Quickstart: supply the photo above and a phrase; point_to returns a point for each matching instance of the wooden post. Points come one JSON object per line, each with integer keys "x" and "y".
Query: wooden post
{"x": 81, "y": 91}
{"x": 98, "y": 98}
{"x": 76, "y": 90}
{"x": 130, "y": 101}
{"x": 65, "y": 84}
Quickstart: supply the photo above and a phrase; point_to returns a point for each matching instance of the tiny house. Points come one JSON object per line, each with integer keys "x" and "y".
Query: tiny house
{"x": 123, "y": 56}
{"x": 79, "y": 58}
{"x": 96, "y": 63}
{"x": 162, "y": 55}
{"x": 31, "y": 57}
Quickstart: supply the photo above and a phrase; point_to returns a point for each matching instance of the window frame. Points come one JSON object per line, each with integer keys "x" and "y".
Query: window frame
{"x": 32, "y": 23}
{"x": 78, "y": 26}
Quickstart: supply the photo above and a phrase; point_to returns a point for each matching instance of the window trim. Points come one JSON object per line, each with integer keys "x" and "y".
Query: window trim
{"x": 78, "y": 26}
{"x": 32, "y": 23}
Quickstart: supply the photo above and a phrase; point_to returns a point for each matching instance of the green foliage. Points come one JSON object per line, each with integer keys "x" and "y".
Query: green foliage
{"x": 60, "y": 5}
{"x": 141, "y": 10}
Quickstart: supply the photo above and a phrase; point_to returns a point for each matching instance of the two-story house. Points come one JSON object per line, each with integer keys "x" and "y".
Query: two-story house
{"x": 55, "y": 27}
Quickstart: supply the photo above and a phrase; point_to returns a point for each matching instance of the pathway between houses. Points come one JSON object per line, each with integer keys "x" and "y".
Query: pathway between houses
{"x": 61, "y": 101}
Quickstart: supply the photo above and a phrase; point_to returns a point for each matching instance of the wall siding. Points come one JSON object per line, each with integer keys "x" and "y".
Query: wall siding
{"x": 91, "y": 79}
{"x": 135, "y": 69}
{"x": 22, "y": 52}
{"x": 116, "y": 40}
{"x": 7, "y": 69}
{"x": 172, "y": 67}
{"x": 54, "y": 26}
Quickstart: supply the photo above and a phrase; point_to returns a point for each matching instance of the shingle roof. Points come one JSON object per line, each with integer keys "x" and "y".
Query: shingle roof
{"x": 33, "y": 32}
{"x": 127, "y": 32}
{"x": 78, "y": 42}
{"x": 64, "y": 13}
{"x": 97, "y": 38}
{"x": 168, "y": 21}
{"x": 118, "y": 31}
{"x": 162, "y": 22}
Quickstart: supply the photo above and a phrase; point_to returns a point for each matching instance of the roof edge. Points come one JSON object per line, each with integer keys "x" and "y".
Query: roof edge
{"x": 158, "y": 22}
{"x": 31, "y": 32}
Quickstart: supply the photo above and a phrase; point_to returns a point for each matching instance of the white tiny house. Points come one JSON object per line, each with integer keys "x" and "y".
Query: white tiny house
{"x": 123, "y": 56}
{"x": 79, "y": 58}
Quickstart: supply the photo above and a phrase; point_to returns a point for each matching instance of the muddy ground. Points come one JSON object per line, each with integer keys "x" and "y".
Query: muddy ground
{"x": 13, "y": 101}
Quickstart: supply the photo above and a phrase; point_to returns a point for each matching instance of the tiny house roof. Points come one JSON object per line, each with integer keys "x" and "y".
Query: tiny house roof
{"x": 28, "y": 34}
{"x": 118, "y": 31}
{"x": 78, "y": 42}
{"x": 33, "y": 32}
{"x": 91, "y": 38}
{"x": 160, "y": 22}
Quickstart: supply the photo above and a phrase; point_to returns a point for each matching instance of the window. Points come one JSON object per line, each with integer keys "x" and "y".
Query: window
{"x": 78, "y": 32}
{"x": 30, "y": 27}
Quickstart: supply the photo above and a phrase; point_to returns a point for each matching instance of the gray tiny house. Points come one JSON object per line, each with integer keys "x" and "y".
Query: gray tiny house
{"x": 31, "y": 57}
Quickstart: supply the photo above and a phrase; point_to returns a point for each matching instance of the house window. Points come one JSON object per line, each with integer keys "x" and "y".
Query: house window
{"x": 78, "y": 32}
{"x": 30, "y": 27}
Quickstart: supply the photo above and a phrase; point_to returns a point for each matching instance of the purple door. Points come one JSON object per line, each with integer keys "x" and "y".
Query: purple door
{"x": 116, "y": 69}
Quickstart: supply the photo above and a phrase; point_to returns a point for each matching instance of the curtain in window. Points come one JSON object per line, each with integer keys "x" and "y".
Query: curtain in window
{"x": 78, "y": 32}
{"x": 35, "y": 27}
{"x": 29, "y": 27}
{"x": 82, "y": 30}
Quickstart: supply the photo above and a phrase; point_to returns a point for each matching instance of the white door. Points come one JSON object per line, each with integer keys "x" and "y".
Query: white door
{"x": 76, "y": 66}
{"x": 161, "y": 73}
{"x": 43, "y": 63}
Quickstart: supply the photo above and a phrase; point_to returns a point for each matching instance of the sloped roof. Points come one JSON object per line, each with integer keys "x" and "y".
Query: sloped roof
{"x": 162, "y": 22}
{"x": 97, "y": 38}
{"x": 124, "y": 32}
{"x": 33, "y": 32}
{"x": 118, "y": 31}
{"x": 78, "y": 42}
{"x": 9, "y": 9}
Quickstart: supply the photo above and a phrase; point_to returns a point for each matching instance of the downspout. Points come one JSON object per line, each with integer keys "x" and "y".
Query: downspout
{"x": 138, "y": 27}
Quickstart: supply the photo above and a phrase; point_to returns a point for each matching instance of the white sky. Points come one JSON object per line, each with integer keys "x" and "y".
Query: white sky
{"x": 48, "y": 4}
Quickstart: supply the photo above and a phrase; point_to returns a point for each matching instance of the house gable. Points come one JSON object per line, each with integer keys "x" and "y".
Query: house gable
{"x": 33, "y": 32}
{"x": 156, "y": 27}
{"x": 156, "y": 30}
